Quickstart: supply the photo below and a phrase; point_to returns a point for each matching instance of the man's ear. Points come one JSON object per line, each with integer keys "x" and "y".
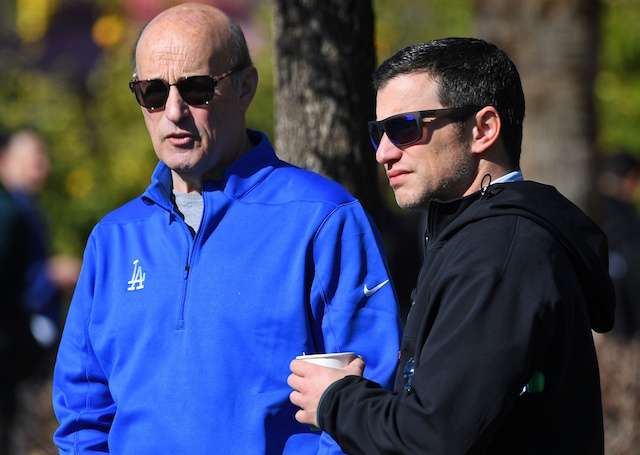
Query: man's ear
{"x": 486, "y": 129}
{"x": 248, "y": 87}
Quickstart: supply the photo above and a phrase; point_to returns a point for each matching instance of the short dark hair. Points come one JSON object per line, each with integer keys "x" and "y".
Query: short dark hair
{"x": 470, "y": 72}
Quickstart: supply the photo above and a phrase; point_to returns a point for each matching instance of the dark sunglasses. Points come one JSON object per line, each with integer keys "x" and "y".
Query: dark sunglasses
{"x": 194, "y": 90}
{"x": 406, "y": 128}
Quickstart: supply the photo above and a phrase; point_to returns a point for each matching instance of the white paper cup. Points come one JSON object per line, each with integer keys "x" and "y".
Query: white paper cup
{"x": 334, "y": 360}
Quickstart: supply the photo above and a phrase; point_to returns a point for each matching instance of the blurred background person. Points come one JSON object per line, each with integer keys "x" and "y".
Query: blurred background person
{"x": 618, "y": 182}
{"x": 14, "y": 323}
{"x": 24, "y": 169}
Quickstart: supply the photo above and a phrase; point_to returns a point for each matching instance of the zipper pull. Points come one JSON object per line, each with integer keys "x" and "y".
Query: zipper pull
{"x": 535, "y": 384}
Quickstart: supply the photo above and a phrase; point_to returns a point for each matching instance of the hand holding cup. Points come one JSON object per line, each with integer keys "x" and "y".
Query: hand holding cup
{"x": 311, "y": 375}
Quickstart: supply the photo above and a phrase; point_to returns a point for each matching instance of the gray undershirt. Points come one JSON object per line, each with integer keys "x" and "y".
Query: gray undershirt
{"x": 190, "y": 206}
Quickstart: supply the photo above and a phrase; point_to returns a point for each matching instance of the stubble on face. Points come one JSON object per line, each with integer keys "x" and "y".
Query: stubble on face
{"x": 438, "y": 166}
{"x": 451, "y": 185}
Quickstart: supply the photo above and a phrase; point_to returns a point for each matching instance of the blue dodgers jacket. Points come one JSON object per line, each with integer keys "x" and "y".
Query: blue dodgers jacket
{"x": 181, "y": 344}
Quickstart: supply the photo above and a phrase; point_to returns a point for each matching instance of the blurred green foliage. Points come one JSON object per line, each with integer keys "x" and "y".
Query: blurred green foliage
{"x": 401, "y": 23}
{"x": 102, "y": 155}
{"x": 617, "y": 87}
{"x": 100, "y": 151}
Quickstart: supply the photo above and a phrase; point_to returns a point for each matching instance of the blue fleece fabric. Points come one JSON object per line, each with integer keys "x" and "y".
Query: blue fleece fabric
{"x": 181, "y": 345}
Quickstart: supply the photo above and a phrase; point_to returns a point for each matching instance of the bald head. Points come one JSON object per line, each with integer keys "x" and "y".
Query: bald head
{"x": 194, "y": 26}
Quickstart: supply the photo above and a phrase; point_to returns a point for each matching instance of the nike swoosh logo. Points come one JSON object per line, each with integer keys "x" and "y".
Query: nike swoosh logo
{"x": 370, "y": 292}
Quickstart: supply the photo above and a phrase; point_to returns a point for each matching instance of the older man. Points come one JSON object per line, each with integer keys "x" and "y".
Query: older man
{"x": 194, "y": 297}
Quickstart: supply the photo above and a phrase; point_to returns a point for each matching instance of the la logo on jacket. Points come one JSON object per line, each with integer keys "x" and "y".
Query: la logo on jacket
{"x": 137, "y": 278}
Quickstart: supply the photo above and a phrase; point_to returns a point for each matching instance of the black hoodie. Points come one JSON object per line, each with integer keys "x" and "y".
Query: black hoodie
{"x": 514, "y": 279}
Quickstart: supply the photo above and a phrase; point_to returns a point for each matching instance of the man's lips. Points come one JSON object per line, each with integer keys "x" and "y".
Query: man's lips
{"x": 179, "y": 139}
{"x": 396, "y": 176}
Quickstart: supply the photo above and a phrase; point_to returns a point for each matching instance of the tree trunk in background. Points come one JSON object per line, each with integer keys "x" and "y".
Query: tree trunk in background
{"x": 554, "y": 45}
{"x": 324, "y": 57}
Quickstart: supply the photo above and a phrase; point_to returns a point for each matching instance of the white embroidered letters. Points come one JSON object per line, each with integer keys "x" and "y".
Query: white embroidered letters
{"x": 137, "y": 279}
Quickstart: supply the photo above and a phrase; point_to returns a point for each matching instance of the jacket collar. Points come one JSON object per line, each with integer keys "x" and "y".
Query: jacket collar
{"x": 238, "y": 179}
{"x": 441, "y": 214}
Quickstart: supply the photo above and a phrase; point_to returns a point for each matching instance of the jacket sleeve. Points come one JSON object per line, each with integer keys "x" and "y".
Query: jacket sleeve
{"x": 353, "y": 300}
{"x": 472, "y": 367}
{"x": 81, "y": 399}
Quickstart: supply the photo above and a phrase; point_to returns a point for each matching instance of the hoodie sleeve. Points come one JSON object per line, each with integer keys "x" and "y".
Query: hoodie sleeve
{"x": 470, "y": 370}
{"x": 81, "y": 399}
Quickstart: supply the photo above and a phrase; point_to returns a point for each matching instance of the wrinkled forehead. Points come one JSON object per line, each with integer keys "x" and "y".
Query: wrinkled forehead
{"x": 183, "y": 42}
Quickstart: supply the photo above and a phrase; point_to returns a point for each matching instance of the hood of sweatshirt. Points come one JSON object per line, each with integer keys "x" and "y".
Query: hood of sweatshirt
{"x": 580, "y": 235}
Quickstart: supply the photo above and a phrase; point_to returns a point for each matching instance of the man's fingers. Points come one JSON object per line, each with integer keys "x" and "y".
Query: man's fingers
{"x": 303, "y": 417}
{"x": 355, "y": 367}
{"x": 294, "y": 397}
{"x": 309, "y": 381}
{"x": 296, "y": 378}
{"x": 299, "y": 367}
{"x": 291, "y": 381}
{"x": 300, "y": 395}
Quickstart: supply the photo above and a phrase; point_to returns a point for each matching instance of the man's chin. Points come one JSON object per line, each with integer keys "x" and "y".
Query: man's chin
{"x": 411, "y": 203}
{"x": 181, "y": 161}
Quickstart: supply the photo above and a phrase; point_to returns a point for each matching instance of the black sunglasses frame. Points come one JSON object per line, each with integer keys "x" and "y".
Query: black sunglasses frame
{"x": 136, "y": 86}
{"x": 379, "y": 128}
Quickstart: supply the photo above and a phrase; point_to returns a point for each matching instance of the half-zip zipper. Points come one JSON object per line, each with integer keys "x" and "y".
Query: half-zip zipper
{"x": 191, "y": 248}
{"x": 192, "y": 241}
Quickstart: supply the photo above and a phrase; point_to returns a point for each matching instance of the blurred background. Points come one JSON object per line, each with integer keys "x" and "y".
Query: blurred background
{"x": 65, "y": 65}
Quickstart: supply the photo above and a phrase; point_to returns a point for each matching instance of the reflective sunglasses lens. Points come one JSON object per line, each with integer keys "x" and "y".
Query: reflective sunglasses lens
{"x": 403, "y": 130}
{"x": 375, "y": 134}
{"x": 197, "y": 90}
{"x": 152, "y": 94}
